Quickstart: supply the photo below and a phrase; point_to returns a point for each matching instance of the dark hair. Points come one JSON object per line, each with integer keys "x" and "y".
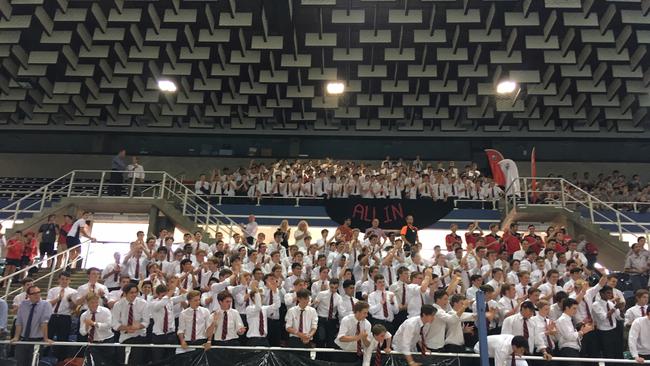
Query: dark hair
{"x": 605, "y": 289}
{"x": 378, "y": 329}
{"x": 221, "y": 296}
{"x": 439, "y": 294}
{"x": 160, "y": 289}
{"x": 64, "y": 274}
{"x": 360, "y": 306}
{"x": 348, "y": 283}
{"x": 128, "y": 287}
{"x": 303, "y": 294}
{"x": 519, "y": 342}
{"x": 185, "y": 261}
{"x": 568, "y": 302}
{"x": 528, "y": 305}
{"x": 428, "y": 310}
{"x": 456, "y": 298}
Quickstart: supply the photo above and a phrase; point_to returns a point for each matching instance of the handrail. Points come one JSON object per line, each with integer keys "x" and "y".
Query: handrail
{"x": 600, "y": 361}
{"x": 591, "y": 201}
{"x": 65, "y": 254}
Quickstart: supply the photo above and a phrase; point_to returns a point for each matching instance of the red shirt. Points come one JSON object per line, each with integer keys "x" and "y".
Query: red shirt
{"x": 492, "y": 242}
{"x": 535, "y": 242}
{"x": 512, "y": 243}
{"x": 346, "y": 231}
{"x": 452, "y": 238}
{"x": 63, "y": 233}
{"x": 30, "y": 249}
{"x": 15, "y": 249}
{"x": 470, "y": 239}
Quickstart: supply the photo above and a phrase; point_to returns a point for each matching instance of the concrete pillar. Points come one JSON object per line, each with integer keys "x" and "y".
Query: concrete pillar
{"x": 153, "y": 221}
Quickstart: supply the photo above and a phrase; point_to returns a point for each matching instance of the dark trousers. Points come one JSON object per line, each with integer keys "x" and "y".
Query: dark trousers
{"x": 611, "y": 343}
{"x": 326, "y": 332}
{"x": 232, "y": 343}
{"x": 25, "y": 352}
{"x": 295, "y": 342}
{"x": 100, "y": 356}
{"x": 275, "y": 332}
{"x": 399, "y": 319}
{"x": 58, "y": 328}
{"x": 136, "y": 357}
{"x": 570, "y": 352}
{"x": 257, "y": 342}
{"x": 116, "y": 180}
{"x": 591, "y": 345}
{"x": 160, "y": 354}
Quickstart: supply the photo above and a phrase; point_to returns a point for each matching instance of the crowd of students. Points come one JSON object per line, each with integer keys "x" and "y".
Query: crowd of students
{"x": 395, "y": 179}
{"x": 360, "y": 292}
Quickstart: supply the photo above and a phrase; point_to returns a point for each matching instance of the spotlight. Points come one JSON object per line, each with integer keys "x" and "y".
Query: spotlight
{"x": 506, "y": 87}
{"x": 166, "y": 85}
{"x": 335, "y": 87}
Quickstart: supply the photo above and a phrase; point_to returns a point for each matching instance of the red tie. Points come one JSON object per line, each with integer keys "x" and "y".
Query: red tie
{"x": 91, "y": 332}
{"x": 271, "y": 297}
{"x": 300, "y": 326}
{"x": 185, "y": 282}
{"x": 512, "y": 361}
{"x": 330, "y": 312}
{"x": 352, "y": 303}
{"x": 609, "y": 317}
{"x": 378, "y": 356}
{"x": 549, "y": 342}
{"x": 526, "y": 334}
{"x": 589, "y": 320}
{"x": 390, "y": 276}
{"x": 384, "y": 305}
{"x": 58, "y": 302}
{"x": 224, "y": 326}
{"x": 129, "y": 320}
{"x": 193, "y": 338}
{"x": 137, "y": 268}
{"x": 359, "y": 341}
{"x": 422, "y": 343}
{"x": 643, "y": 311}
{"x": 166, "y": 321}
{"x": 261, "y": 323}
{"x": 403, "y": 294}
{"x": 115, "y": 276}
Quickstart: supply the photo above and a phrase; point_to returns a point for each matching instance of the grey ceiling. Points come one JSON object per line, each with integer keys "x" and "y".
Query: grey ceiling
{"x": 411, "y": 67}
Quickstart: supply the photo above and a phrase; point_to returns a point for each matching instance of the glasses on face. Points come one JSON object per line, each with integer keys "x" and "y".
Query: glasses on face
{"x": 34, "y": 293}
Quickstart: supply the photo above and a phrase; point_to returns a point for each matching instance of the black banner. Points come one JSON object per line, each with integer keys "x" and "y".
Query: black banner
{"x": 228, "y": 357}
{"x": 390, "y": 213}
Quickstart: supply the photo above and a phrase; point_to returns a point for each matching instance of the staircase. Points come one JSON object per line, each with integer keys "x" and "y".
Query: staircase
{"x": 567, "y": 205}
{"x": 89, "y": 190}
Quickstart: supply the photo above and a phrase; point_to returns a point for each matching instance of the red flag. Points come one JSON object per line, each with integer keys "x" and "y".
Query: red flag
{"x": 533, "y": 174}
{"x": 494, "y": 157}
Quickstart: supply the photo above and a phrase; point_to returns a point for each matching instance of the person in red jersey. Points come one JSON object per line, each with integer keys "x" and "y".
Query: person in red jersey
{"x": 453, "y": 238}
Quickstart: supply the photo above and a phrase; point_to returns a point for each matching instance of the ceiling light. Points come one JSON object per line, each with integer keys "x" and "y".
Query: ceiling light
{"x": 506, "y": 87}
{"x": 166, "y": 85}
{"x": 335, "y": 87}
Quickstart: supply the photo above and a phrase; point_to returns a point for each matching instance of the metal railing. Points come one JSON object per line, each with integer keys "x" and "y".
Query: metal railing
{"x": 99, "y": 183}
{"x": 312, "y": 351}
{"x": 567, "y": 195}
{"x": 60, "y": 261}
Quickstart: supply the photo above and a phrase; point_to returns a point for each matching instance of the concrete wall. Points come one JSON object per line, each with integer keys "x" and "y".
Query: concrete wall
{"x": 55, "y": 165}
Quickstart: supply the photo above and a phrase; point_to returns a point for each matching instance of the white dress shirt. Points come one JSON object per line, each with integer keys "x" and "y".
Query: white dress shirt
{"x": 309, "y": 319}
{"x": 132, "y": 264}
{"x": 253, "y": 313}
{"x": 120, "y": 313}
{"x": 87, "y": 288}
{"x": 639, "y": 337}
{"x": 599, "y": 313}
{"x": 408, "y": 335}
{"x": 324, "y": 300}
{"x": 112, "y": 280}
{"x": 157, "y": 310}
{"x": 634, "y": 313}
{"x": 346, "y": 306}
{"x": 454, "y": 330}
{"x": 434, "y": 338}
{"x": 541, "y": 339}
{"x": 348, "y": 327}
{"x": 414, "y": 300}
{"x": 377, "y": 308}
{"x": 234, "y": 325}
{"x": 65, "y": 305}
{"x": 567, "y": 335}
{"x": 103, "y": 321}
{"x": 514, "y": 325}
{"x": 186, "y": 322}
{"x": 499, "y": 347}
{"x": 370, "y": 351}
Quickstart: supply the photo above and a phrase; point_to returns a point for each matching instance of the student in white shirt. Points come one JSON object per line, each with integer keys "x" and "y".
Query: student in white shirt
{"x": 505, "y": 348}
{"x": 410, "y": 335}
{"x": 545, "y": 328}
{"x": 194, "y": 324}
{"x": 227, "y": 322}
{"x": 301, "y": 321}
{"x": 520, "y": 324}
{"x": 96, "y": 325}
{"x": 455, "y": 330}
{"x": 327, "y": 303}
{"x": 164, "y": 326}
{"x": 568, "y": 337}
{"x": 640, "y": 309}
{"x": 353, "y": 333}
{"x": 257, "y": 315}
{"x": 606, "y": 314}
{"x": 61, "y": 299}
{"x": 380, "y": 340}
{"x": 639, "y": 339}
{"x": 383, "y": 305}
{"x": 131, "y": 319}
